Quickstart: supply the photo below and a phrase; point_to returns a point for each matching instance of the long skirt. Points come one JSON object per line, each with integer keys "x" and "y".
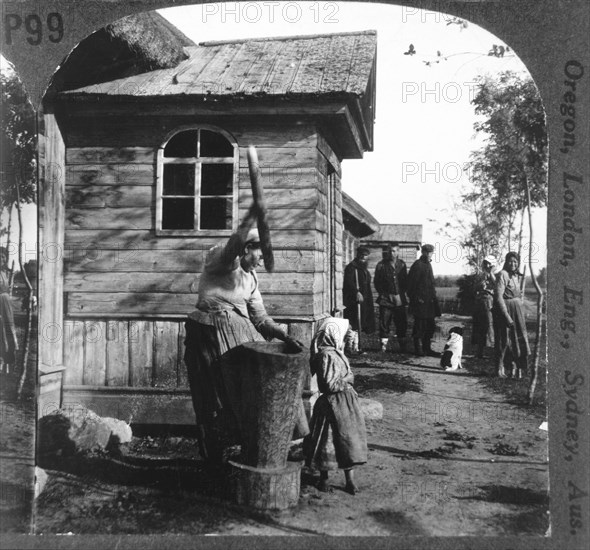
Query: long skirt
{"x": 511, "y": 343}
{"x": 338, "y": 437}
{"x": 204, "y": 346}
{"x": 483, "y": 323}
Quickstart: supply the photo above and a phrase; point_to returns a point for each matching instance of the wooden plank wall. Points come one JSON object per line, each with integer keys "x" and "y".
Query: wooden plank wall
{"x": 134, "y": 353}
{"x": 126, "y": 290}
{"x": 115, "y": 263}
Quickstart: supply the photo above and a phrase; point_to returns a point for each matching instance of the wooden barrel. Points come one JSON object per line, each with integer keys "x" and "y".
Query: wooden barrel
{"x": 265, "y": 387}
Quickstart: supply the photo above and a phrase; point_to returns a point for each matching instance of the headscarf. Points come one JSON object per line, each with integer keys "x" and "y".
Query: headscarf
{"x": 508, "y": 256}
{"x": 490, "y": 259}
{"x": 330, "y": 334}
{"x": 328, "y": 341}
{"x": 329, "y": 337}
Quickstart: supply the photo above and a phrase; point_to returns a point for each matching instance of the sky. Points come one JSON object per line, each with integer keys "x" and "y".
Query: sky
{"x": 424, "y": 120}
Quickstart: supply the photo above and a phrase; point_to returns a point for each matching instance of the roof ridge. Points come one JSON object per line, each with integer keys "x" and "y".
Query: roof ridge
{"x": 290, "y": 37}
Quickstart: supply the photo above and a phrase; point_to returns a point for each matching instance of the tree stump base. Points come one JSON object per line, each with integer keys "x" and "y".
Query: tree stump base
{"x": 266, "y": 488}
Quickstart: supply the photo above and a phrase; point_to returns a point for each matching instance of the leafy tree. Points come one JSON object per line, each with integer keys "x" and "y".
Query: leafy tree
{"x": 19, "y": 182}
{"x": 19, "y": 144}
{"x": 514, "y": 154}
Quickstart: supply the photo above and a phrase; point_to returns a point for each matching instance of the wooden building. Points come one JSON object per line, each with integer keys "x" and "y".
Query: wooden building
{"x": 154, "y": 156}
{"x": 358, "y": 223}
{"x": 409, "y": 237}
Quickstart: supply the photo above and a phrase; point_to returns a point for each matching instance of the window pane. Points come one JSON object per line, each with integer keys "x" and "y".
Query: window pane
{"x": 179, "y": 179}
{"x": 216, "y": 214}
{"x": 215, "y": 145}
{"x": 217, "y": 179}
{"x": 178, "y": 213}
{"x": 183, "y": 144}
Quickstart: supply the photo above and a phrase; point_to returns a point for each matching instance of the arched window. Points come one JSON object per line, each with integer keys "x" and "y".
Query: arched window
{"x": 197, "y": 183}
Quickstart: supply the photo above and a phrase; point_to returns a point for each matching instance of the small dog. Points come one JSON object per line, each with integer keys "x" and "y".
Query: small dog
{"x": 451, "y": 357}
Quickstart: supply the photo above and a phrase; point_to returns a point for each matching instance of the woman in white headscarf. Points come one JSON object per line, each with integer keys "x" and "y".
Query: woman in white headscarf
{"x": 338, "y": 437}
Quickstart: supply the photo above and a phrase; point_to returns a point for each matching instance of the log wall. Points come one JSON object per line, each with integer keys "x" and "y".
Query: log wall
{"x": 127, "y": 291}
{"x": 116, "y": 264}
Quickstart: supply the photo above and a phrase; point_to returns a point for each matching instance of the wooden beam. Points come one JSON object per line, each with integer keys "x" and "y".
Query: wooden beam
{"x": 291, "y": 259}
{"x": 137, "y": 304}
{"x": 124, "y": 173}
{"x": 179, "y": 282}
{"x": 110, "y": 155}
{"x": 95, "y": 352}
{"x": 165, "y": 373}
{"x": 141, "y": 352}
{"x": 87, "y": 242}
{"x": 188, "y": 107}
{"x": 51, "y": 237}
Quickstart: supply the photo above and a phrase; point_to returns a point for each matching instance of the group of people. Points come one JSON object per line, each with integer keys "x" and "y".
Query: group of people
{"x": 396, "y": 288}
{"x": 230, "y": 312}
{"x": 498, "y": 319}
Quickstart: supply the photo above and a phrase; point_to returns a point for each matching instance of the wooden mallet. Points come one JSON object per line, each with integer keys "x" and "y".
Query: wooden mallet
{"x": 258, "y": 198}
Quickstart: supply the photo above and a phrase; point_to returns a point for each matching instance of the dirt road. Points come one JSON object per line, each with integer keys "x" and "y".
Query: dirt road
{"x": 455, "y": 454}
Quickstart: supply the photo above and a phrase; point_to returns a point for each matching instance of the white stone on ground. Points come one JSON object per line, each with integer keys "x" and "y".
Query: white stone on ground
{"x": 372, "y": 410}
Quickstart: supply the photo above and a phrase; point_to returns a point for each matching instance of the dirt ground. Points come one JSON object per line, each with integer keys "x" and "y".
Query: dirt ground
{"x": 455, "y": 454}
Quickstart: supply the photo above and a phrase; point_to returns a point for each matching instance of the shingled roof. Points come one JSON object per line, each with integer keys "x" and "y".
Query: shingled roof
{"x": 331, "y": 64}
{"x": 391, "y": 232}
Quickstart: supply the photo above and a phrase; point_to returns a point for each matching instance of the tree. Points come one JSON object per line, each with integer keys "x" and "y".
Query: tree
{"x": 514, "y": 153}
{"x": 19, "y": 174}
{"x": 510, "y": 172}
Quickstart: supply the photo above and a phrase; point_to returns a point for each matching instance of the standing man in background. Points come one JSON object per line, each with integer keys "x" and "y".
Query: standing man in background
{"x": 358, "y": 296}
{"x": 391, "y": 278}
{"x": 423, "y": 302}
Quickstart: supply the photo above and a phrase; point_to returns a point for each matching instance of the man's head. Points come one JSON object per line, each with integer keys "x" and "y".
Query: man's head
{"x": 394, "y": 247}
{"x": 427, "y": 251}
{"x": 252, "y": 255}
{"x": 391, "y": 252}
{"x": 362, "y": 255}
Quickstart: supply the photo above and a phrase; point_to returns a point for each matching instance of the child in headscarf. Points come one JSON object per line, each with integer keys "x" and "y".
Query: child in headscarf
{"x": 338, "y": 436}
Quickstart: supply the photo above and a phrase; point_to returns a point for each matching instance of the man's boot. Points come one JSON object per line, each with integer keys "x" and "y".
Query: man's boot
{"x": 418, "y": 347}
{"x": 428, "y": 351}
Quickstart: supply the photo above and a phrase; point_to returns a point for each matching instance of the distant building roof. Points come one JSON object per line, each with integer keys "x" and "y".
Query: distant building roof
{"x": 356, "y": 219}
{"x": 391, "y": 232}
{"x": 339, "y": 63}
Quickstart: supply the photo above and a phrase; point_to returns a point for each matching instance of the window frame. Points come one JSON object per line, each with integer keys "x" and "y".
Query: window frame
{"x": 198, "y": 162}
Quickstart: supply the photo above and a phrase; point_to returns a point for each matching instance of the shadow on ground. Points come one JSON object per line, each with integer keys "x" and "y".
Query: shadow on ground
{"x": 397, "y": 522}
{"x": 386, "y": 382}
